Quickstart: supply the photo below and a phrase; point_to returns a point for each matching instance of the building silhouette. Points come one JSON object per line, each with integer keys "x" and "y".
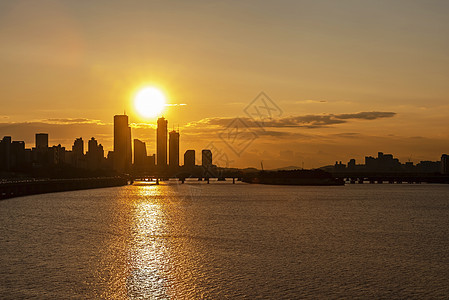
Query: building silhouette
{"x": 206, "y": 158}
{"x": 189, "y": 159}
{"x": 77, "y": 155}
{"x": 151, "y": 162}
{"x": 173, "y": 149}
{"x": 41, "y": 143}
{"x": 161, "y": 153}
{"x": 428, "y": 166}
{"x": 13, "y": 155}
{"x": 140, "y": 154}
{"x": 56, "y": 155}
{"x": 122, "y": 144}
{"x": 94, "y": 155}
{"x": 386, "y": 163}
{"x": 383, "y": 162}
{"x": 18, "y": 154}
{"x": 5, "y": 153}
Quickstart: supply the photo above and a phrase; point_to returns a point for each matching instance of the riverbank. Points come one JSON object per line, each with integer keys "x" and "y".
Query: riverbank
{"x": 33, "y": 187}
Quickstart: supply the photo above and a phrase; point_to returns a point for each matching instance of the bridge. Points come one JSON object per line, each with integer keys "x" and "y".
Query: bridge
{"x": 158, "y": 178}
{"x": 200, "y": 173}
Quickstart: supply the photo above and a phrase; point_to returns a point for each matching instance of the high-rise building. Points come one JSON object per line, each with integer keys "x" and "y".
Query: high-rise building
{"x": 77, "y": 156}
{"x": 5, "y": 153}
{"x": 173, "y": 146}
{"x": 140, "y": 154}
{"x": 122, "y": 143}
{"x": 161, "y": 154}
{"x": 189, "y": 159}
{"x": 206, "y": 158}
{"x": 445, "y": 164}
{"x": 42, "y": 148}
{"x": 41, "y": 141}
{"x": 56, "y": 155}
{"x": 94, "y": 155}
{"x": 18, "y": 153}
{"x": 12, "y": 154}
{"x": 78, "y": 147}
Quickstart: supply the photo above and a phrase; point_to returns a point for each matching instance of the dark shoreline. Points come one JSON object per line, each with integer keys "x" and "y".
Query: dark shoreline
{"x": 34, "y": 187}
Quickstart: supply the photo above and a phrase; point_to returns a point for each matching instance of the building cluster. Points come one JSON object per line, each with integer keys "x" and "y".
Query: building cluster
{"x": 124, "y": 158}
{"x": 386, "y": 163}
{"x": 15, "y": 157}
{"x": 166, "y": 157}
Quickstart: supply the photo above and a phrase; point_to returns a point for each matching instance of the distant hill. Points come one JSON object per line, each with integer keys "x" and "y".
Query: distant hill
{"x": 328, "y": 168}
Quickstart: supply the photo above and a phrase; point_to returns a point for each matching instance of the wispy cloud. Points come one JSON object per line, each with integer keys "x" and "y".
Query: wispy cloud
{"x": 305, "y": 121}
{"x": 73, "y": 121}
{"x": 311, "y": 101}
{"x": 143, "y": 125}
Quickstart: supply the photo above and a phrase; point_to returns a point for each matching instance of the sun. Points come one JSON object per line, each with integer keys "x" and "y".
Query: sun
{"x": 149, "y": 102}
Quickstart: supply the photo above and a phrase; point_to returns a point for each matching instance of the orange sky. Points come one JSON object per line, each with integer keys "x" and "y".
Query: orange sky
{"x": 66, "y": 67}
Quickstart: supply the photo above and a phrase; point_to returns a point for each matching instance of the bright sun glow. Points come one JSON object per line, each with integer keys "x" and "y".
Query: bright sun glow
{"x": 149, "y": 102}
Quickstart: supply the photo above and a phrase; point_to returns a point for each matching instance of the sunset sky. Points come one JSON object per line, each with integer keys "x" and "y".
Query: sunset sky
{"x": 350, "y": 77}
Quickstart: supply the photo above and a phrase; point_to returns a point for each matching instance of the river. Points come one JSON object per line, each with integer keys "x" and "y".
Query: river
{"x": 220, "y": 240}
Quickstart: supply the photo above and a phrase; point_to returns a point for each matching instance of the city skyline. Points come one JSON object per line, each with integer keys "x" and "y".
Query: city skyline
{"x": 125, "y": 158}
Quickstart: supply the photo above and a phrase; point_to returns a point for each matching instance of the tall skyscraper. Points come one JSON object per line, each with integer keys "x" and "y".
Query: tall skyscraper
{"x": 189, "y": 159}
{"x": 173, "y": 146}
{"x": 206, "y": 158}
{"x": 161, "y": 154}
{"x": 122, "y": 143}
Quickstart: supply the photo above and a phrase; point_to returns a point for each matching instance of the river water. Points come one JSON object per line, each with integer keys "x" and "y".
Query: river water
{"x": 227, "y": 241}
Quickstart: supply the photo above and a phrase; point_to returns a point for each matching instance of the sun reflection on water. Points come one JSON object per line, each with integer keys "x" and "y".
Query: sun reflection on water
{"x": 150, "y": 252}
